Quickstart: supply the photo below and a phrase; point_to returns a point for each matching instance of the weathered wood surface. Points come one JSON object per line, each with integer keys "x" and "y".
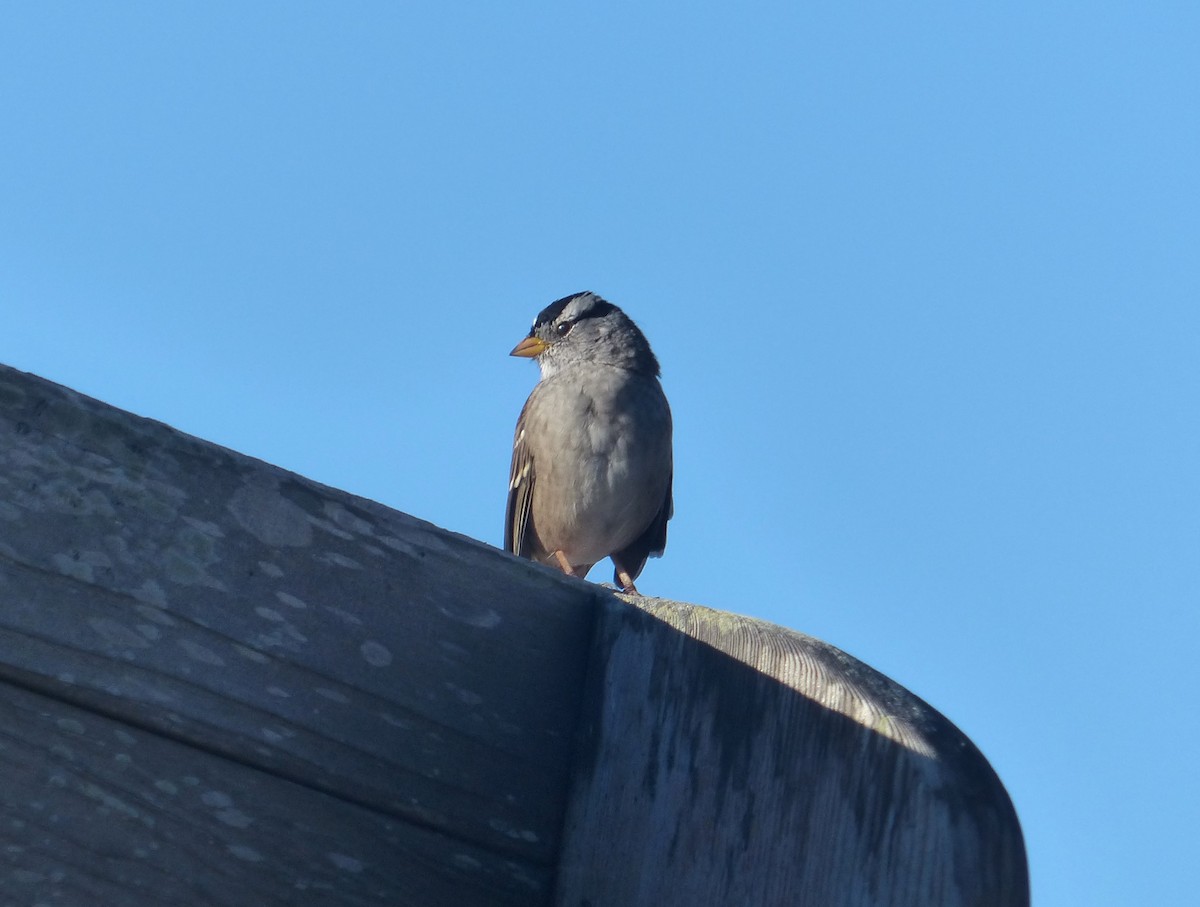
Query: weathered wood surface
{"x": 729, "y": 761}
{"x": 344, "y": 674}
{"x": 224, "y": 684}
{"x": 96, "y": 813}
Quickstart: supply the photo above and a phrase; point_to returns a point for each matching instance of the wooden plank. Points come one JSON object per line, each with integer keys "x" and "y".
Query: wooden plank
{"x": 729, "y": 761}
{"x": 222, "y": 603}
{"x": 94, "y": 811}
{"x": 222, "y": 683}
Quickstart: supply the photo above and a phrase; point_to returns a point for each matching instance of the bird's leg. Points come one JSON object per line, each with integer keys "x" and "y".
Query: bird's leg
{"x": 626, "y": 580}
{"x": 564, "y": 564}
{"x": 621, "y": 575}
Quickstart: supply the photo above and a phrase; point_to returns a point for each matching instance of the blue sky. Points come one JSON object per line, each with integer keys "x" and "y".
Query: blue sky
{"x": 923, "y": 280}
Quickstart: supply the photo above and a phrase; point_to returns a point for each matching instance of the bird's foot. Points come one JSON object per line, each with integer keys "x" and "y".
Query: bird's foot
{"x": 564, "y": 564}
{"x": 627, "y": 585}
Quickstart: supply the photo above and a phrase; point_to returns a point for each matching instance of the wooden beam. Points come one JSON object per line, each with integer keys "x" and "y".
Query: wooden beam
{"x": 730, "y": 761}
{"x": 223, "y": 683}
{"x": 299, "y": 645}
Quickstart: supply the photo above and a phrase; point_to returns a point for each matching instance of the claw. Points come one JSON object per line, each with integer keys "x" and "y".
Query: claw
{"x": 627, "y": 585}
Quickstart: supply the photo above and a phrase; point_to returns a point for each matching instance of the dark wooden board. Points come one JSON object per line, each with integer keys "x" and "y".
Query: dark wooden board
{"x": 730, "y": 761}
{"x": 252, "y": 615}
{"x": 221, "y": 683}
{"x": 96, "y": 812}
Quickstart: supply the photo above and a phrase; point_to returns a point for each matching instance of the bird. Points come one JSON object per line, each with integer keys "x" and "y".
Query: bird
{"x": 592, "y": 468}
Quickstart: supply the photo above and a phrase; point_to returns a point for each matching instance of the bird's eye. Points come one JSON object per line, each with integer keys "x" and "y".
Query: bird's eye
{"x": 563, "y": 329}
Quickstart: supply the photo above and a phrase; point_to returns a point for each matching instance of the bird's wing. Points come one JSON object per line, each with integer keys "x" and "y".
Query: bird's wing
{"x": 519, "y": 537}
{"x": 651, "y": 543}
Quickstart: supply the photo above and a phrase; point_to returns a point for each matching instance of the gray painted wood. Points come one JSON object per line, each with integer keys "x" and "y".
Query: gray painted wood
{"x": 270, "y": 628}
{"x": 221, "y": 683}
{"x": 95, "y": 812}
{"x": 729, "y": 761}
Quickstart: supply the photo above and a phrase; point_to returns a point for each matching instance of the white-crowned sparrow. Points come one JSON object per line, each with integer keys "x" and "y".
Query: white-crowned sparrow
{"x": 591, "y": 468}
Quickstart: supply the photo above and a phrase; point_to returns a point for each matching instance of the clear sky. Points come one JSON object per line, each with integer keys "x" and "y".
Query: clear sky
{"x": 923, "y": 279}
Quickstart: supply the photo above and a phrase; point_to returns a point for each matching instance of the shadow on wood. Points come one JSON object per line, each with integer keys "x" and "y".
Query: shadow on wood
{"x": 221, "y": 683}
{"x": 729, "y": 761}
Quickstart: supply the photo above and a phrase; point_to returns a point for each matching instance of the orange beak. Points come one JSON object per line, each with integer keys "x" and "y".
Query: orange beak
{"x": 529, "y": 348}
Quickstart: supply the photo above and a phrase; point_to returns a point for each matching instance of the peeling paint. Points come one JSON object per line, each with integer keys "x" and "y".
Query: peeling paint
{"x": 262, "y": 511}
{"x": 375, "y": 654}
{"x": 484, "y": 618}
{"x": 234, "y": 818}
{"x": 250, "y": 654}
{"x": 244, "y": 852}
{"x": 345, "y": 863}
{"x": 341, "y": 516}
{"x": 340, "y": 560}
{"x": 291, "y": 600}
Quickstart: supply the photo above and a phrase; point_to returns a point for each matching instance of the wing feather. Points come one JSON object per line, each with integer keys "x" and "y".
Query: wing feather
{"x": 519, "y": 537}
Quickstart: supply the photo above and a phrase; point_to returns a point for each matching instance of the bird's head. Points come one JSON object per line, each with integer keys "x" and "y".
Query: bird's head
{"x": 583, "y": 328}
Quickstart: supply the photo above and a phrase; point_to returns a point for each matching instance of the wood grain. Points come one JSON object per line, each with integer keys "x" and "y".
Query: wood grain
{"x": 263, "y": 622}
{"x": 96, "y": 812}
{"x": 729, "y": 761}
{"x": 221, "y": 683}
